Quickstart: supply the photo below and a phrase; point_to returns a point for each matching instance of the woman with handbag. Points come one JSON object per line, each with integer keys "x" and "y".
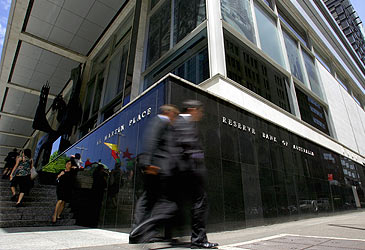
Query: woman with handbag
{"x": 21, "y": 176}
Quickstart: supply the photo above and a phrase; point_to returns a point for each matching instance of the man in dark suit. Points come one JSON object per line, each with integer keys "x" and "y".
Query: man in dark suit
{"x": 158, "y": 168}
{"x": 192, "y": 171}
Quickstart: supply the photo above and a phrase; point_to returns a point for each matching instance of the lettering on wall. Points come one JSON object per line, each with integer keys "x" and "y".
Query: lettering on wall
{"x": 265, "y": 135}
{"x": 134, "y": 120}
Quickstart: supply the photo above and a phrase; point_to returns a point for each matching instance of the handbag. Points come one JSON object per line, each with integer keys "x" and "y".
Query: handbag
{"x": 33, "y": 173}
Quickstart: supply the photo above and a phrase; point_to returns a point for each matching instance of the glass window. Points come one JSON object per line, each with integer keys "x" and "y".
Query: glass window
{"x": 238, "y": 14}
{"x": 98, "y": 90}
{"x": 190, "y": 62}
{"x": 292, "y": 50}
{"x": 300, "y": 34}
{"x": 312, "y": 112}
{"x": 89, "y": 93}
{"x": 342, "y": 82}
{"x": 116, "y": 74}
{"x": 269, "y": 36}
{"x": 113, "y": 78}
{"x": 323, "y": 60}
{"x": 269, "y": 3}
{"x": 123, "y": 30}
{"x": 188, "y": 15}
{"x": 100, "y": 59}
{"x": 357, "y": 98}
{"x": 246, "y": 68}
{"x": 153, "y": 3}
{"x": 195, "y": 69}
{"x": 312, "y": 74}
{"x": 159, "y": 33}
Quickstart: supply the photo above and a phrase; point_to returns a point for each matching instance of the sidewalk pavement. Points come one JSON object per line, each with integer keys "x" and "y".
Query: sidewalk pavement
{"x": 337, "y": 232}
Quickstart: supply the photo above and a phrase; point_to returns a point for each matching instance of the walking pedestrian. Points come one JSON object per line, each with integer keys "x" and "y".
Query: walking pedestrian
{"x": 20, "y": 175}
{"x": 192, "y": 171}
{"x": 65, "y": 180}
{"x": 156, "y": 205}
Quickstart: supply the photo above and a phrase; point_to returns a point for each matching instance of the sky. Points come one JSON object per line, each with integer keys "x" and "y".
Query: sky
{"x": 4, "y": 12}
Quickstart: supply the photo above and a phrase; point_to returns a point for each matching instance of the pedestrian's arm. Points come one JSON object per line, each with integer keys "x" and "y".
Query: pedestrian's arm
{"x": 15, "y": 167}
{"x": 152, "y": 141}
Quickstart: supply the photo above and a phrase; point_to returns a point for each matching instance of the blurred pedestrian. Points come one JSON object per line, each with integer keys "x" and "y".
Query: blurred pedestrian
{"x": 158, "y": 167}
{"x": 192, "y": 171}
{"x": 65, "y": 182}
{"x": 20, "y": 175}
{"x": 10, "y": 160}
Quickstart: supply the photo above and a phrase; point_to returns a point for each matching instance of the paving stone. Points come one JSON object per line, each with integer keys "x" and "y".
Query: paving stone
{"x": 270, "y": 245}
{"x": 300, "y": 240}
{"x": 349, "y": 244}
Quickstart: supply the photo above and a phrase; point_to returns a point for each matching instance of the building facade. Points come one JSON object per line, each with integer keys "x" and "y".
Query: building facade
{"x": 283, "y": 92}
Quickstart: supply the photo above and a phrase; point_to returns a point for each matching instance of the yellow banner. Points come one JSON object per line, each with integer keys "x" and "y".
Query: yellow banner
{"x": 112, "y": 146}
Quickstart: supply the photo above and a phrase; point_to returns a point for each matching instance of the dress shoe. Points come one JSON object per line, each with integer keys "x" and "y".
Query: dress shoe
{"x": 201, "y": 245}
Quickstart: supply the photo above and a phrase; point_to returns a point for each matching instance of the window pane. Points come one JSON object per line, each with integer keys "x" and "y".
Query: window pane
{"x": 238, "y": 14}
{"x": 300, "y": 34}
{"x": 269, "y": 3}
{"x": 342, "y": 81}
{"x": 323, "y": 60}
{"x": 195, "y": 69}
{"x": 188, "y": 15}
{"x": 293, "y": 56}
{"x": 312, "y": 112}
{"x": 87, "y": 107}
{"x": 153, "y": 3}
{"x": 247, "y": 68}
{"x": 97, "y": 97}
{"x": 159, "y": 33}
{"x": 123, "y": 68}
{"x": 116, "y": 75}
{"x": 268, "y": 35}
{"x": 190, "y": 62}
{"x": 113, "y": 78}
{"x": 312, "y": 74}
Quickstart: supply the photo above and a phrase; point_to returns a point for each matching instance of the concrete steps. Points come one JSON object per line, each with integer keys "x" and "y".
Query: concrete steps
{"x": 37, "y": 210}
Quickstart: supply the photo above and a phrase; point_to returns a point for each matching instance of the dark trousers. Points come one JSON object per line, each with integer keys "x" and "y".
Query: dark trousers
{"x": 192, "y": 190}
{"x": 155, "y": 208}
{"x": 148, "y": 199}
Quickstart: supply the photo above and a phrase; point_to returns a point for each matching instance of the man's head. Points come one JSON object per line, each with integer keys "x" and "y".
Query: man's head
{"x": 171, "y": 111}
{"x": 15, "y": 150}
{"x": 194, "y": 108}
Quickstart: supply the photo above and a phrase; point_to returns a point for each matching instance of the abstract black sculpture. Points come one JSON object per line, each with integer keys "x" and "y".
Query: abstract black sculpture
{"x": 69, "y": 115}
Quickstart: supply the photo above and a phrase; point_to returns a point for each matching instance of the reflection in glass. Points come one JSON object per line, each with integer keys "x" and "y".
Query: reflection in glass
{"x": 116, "y": 74}
{"x": 312, "y": 112}
{"x": 98, "y": 90}
{"x": 312, "y": 74}
{"x": 293, "y": 56}
{"x": 293, "y": 27}
{"x": 269, "y": 36}
{"x": 153, "y": 3}
{"x": 195, "y": 69}
{"x": 159, "y": 33}
{"x": 89, "y": 93}
{"x": 238, "y": 14}
{"x": 246, "y": 68}
{"x": 188, "y": 15}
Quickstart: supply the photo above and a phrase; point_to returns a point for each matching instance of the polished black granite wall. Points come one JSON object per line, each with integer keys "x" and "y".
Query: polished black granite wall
{"x": 258, "y": 173}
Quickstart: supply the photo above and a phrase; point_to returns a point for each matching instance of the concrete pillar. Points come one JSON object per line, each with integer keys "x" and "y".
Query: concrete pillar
{"x": 217, "y": 62}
